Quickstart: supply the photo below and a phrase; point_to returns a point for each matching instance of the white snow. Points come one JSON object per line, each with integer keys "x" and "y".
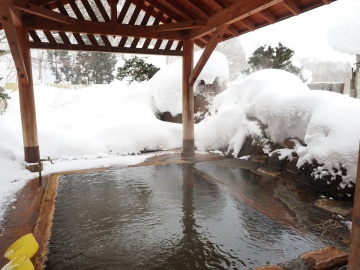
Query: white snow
{"x": 326, "y": 122}
{"x": 165, "y": 86}
{"x": 344, "y": 33}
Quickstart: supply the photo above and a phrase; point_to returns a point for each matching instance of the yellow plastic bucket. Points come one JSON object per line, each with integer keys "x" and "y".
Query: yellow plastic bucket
{"x": 24, "y": 245}
{"x": 19, "y": 263}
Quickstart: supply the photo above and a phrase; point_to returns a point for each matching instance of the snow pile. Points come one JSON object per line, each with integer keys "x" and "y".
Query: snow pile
{"x": 166, "y": 85}
{"x": 344, "y": 35}
{"x": 327, "y": 122}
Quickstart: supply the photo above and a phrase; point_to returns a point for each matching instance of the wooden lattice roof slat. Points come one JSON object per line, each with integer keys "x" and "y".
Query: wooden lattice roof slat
{"x": 143, "y": 22}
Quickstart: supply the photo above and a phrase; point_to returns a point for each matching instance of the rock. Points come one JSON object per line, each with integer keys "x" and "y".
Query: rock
{"x": 274, "y": 161}
{"x": 289, "y": 143}
{"x": 291, "y": 166}
{"x": 200, "y": 107}
{"x": 334, "y": 206}
{"x": 248, "y": 148}
{"x": 167, "y": 116}
{"x": 275, "y": 267}
{"x": 325, "y": 259}
{"x": 325, "y": 184}
{"x": 268, "y": 172}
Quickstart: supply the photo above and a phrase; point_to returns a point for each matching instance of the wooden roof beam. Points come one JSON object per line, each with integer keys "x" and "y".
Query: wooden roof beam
{"x": 234, "y": 13}
{"x": 292, "y": 6}
{"x": 41, "y": 12}
{"x": 101, "y": 28}
{"x": 215, "y": 39}
{"x": 268, "y": 16}
{"x": 327, "y": 2}
{"x": 6, "y": 15}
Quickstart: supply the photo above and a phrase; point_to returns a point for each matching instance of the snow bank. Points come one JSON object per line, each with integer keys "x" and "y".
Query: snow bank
{"x": 166, "y": 85}
{"x": 327, "y": 122}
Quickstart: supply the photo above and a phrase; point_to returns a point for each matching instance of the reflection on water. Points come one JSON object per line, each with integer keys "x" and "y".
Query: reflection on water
{"x": 162, "y": 217}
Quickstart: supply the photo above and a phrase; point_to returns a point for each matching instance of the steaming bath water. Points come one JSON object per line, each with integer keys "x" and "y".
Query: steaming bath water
{"x": 163, "y": 217}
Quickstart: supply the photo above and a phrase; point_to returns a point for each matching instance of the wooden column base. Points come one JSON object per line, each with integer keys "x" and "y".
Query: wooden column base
{"x": 32, "y": 154}
{"x": 188, "y": 150}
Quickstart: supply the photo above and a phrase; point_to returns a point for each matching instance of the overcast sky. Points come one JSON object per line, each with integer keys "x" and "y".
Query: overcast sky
{"x": 306, "y": 34}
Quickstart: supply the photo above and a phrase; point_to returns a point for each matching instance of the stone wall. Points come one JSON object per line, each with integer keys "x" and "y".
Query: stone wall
{"x": 328, "y": 86}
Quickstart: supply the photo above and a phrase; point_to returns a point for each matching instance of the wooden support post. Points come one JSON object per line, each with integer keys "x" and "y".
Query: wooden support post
{"x": 354, "y": 258}
{"x": 27, "y": 103}
{"x": 188, "y": 101}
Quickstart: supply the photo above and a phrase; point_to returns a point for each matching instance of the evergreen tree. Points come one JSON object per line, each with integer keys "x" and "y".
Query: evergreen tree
{"x": 82, "y": 68}
{"x": 58, "y": 61}
{"x": 100, "y": 67}
{"x": 269, "y": 57}
{"x": 136, "y": 69}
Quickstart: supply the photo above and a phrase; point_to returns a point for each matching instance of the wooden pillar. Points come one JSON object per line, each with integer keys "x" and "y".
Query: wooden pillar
{"x": 188, "y": 150}
{"x": 27, "y": 103}
{"x": 354, "y": 258}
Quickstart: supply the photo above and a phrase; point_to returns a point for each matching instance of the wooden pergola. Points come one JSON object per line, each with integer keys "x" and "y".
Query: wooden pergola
{"x": 163, "y": 27}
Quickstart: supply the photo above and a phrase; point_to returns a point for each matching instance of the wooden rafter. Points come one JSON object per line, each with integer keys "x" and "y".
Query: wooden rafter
{"x": 77, "y": 36}
{"x": 102, "y": 10}
{"x": 7, "y": 11}
{"x": 185, "y": 13}
{"x": 327, "y": 2}
{"x": 268, "y": 16}
{"x": 233, "y": 13}
{"x": 42, "y": 12}
{"x": 113, "y": 8}
{"x": 108, "y": 49}
{"x": 292, "y": 6}
{"x": 248, "y": 24}
{"x": 132, "y": 21}
{"x": 201, "y": 7}
{"x": 143, "y": 23}
{"x": 166, "y": 11}
{"x": 216, "y": 38}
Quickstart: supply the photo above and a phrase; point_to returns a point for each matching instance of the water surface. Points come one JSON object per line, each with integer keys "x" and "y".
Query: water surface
{"x": 163, "y": 217}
